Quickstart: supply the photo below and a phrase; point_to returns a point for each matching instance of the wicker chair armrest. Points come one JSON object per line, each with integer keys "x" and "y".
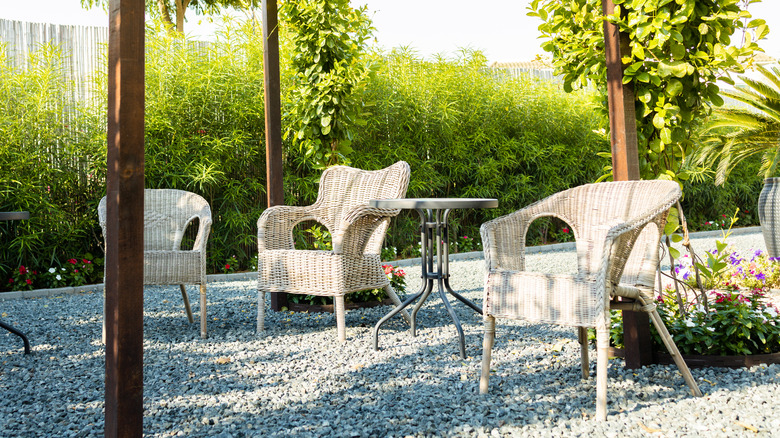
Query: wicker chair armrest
{"x": 503, "y": 238}
{"x": 275, "y": 226}
{"x": 358, "y": 225}
{"x": 204, "y": 229}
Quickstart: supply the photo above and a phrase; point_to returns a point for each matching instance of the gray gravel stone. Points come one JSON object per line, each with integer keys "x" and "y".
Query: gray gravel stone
{"x": 298, "y": 380}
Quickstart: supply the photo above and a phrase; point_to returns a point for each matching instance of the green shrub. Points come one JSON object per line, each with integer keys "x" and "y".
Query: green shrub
{"x": 469, "y": 133}
{"x": 52, "y": 164}
{"x": 465, "y": 132}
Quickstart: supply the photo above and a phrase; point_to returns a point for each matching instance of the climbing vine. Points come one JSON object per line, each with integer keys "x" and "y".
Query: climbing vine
{"x": 677, "y": 52}
{"x": 328, "y": 46}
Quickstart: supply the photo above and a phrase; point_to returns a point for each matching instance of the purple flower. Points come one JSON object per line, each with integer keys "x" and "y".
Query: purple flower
{"x": 761, "y": 276}
{"x": 734, "y": 259}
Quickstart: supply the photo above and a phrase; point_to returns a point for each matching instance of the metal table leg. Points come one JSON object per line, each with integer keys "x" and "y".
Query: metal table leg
{"x": 433, "y": 233}
{"x": 17, "y": 333}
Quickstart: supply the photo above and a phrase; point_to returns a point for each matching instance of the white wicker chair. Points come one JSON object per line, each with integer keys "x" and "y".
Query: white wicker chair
{"x": 357, "y": 230}
{"x": 167, "y": 213}
{"x": 608, "y": 220}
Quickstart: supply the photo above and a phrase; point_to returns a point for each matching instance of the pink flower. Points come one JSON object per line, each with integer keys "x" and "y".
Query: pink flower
{"x": 388, "y": 269}
{"x": 28, "y": 281}
{"x": 10, "y": 280}
{"x": 565, "y": 230}
{"x": 400, "y": 272}
{"x": 72, "y": 261}
{"x": 22, "y": 270}
{"x": 227, "y": 266}
{"x": 85, "y": 261}
{"x": 75, "y": 271}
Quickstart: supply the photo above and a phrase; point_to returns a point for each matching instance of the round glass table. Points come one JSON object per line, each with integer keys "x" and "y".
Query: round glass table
{"x": 434, "y": 247}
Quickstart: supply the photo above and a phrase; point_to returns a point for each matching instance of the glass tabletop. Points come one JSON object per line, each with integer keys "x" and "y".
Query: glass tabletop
{"x": 14, "y": 215}
{"x": 434, "y": 203}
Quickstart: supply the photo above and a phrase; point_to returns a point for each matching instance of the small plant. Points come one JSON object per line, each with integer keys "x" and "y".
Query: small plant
{"x": 466, "y": 244}
{"x": 389, "y": 253}
{"x": 736, "y": 323}
{"x": 54, "y": 278}
{"x": 322, "y": 238}
{"x": 79, "y": 272}
{"x": 23, "y": 279}
{"x": 397, "y": 278}
{"x": 230, "y": 265}
{"x": 564, "y": 235}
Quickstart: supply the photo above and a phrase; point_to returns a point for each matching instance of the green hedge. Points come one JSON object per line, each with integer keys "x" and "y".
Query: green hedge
{"x": 469, "y": 133}
{"x": 465, "y": 131}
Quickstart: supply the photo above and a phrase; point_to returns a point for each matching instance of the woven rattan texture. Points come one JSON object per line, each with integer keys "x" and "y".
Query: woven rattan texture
{"x": 167, "y": 214}
{"x": 357, "y": 231}
{"x": 617, "y": 227}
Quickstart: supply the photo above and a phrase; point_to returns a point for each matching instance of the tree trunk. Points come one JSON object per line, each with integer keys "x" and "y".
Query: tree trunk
{"x": 165, "y": 13}
{"x": 181, "y": 8}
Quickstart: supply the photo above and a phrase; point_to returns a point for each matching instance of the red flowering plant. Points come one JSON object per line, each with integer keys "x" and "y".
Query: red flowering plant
{"x": 230, "y": 265}
{"x": 397, "y": 278}
{"x": 23, "y": 279}
{"x": 78, "y": 271}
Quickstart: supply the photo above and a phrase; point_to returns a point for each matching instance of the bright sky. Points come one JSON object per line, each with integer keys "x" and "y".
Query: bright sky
{"x": 500, "y": 28}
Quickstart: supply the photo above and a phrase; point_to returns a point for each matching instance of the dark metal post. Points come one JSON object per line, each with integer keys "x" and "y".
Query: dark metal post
{"x": 273, "y": 118}
{"x": 625, "y": 167}
{"x": 124, "y": 213}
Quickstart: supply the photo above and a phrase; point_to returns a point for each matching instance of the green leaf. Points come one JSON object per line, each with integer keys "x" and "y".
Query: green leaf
{"x": 659, "y": 121}
{"x": 325, "y": 121}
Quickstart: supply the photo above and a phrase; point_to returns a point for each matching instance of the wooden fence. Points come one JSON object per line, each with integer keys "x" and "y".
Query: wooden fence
{"x": 84, "y": 49}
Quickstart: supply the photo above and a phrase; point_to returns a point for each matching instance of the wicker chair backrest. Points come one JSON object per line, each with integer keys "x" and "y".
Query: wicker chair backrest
{"x": 343, "y": 188}
{"x": 167, "y": 213}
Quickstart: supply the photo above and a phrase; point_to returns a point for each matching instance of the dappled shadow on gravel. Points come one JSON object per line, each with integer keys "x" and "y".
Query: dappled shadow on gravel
{"x": 298, "y": 380}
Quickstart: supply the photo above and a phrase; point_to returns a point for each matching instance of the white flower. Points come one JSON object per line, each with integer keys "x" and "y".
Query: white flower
{"x": 689, "y": 323}
{"x": 58, "y": 277}
{"x": 771, "y": 311}
{"x": 712, "y": 329}
{"x": 52, "y": 270}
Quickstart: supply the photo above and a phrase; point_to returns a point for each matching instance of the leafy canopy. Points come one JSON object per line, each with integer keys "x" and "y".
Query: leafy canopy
{"x": 676, "y": 51}
{"x": 162, "y": 8}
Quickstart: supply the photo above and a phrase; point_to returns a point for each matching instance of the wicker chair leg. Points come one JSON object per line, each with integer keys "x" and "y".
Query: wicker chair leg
{"x": 675, "y": 353}
{"x": 602, "y": 348}
{"x": 397, "y": 301}
{"x": 339, "y": 309}
{"x": 582, "y": 335}
{"x": 203, "y": 311}
{"x": 260, "y": 312}
{"x": 487, "y": 350}
{"x": 186, "y": 303}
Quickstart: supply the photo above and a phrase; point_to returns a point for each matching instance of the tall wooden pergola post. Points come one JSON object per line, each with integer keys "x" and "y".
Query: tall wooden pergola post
{"x": 273, "y": 118}
{"x": 124, "y": 221}
{"x": 625, "y": 167}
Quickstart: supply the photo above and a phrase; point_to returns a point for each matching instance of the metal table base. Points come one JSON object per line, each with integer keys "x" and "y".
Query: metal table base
{"x": 434, "y": 233}
{"x": 17, "y": 333}
{"x": 12, "y": 216}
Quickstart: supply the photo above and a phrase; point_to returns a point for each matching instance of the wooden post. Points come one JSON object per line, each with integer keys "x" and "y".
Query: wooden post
{"x": 625, "y": 167}
{"x": 273, "y": 118}
{"x": 124, "y": 221}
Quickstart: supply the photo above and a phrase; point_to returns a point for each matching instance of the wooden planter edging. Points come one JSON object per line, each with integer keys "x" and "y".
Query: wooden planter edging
{"x": 703, "y": 361}
{"x": 328, "y": 308}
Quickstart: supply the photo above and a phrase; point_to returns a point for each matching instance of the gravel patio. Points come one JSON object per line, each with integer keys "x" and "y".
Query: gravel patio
{"x": 298, "y": 380}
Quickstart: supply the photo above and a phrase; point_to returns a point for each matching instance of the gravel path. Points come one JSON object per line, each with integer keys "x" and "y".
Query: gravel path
{"x": 299, "y": 381}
